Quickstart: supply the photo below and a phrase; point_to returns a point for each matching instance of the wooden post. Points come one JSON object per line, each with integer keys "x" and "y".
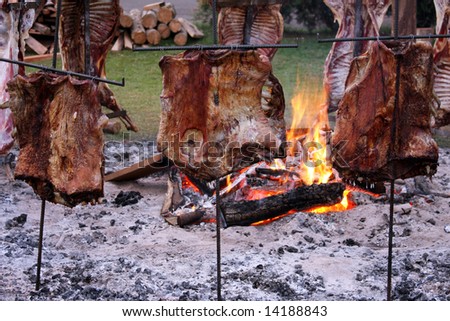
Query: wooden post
{"x": 407, "y": 24}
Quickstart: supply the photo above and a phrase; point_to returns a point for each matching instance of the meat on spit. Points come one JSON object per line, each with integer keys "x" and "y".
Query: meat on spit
{"x": 12, "y": 46}
{"x": 266, "y": 26}
{"x": 215, "y": 118}
{"x": 442, "y": 61}
{"x": 59, "y": 127}
{"x": 367, "y": 120}
{"x": 338, "y": 62}
{"x": 104, "y": 21}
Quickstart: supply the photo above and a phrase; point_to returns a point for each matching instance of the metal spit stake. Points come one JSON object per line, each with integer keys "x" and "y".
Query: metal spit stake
{"x": 218, "y": 242}
{"x": 21, "y": 6}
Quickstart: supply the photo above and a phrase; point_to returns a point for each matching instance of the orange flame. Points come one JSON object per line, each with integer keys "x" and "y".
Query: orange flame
{"x": 345, "y": 205}
{"x": 186, "y": 183}
{"x": 310, "y": 112}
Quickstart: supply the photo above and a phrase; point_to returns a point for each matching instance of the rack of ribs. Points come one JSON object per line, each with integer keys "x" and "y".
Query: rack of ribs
{"x": 104, "y": 21}
{"x": 442, "y": 61}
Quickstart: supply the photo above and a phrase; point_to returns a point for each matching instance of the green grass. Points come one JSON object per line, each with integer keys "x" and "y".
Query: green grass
{"x": 297, "y": 69}
{"x": 140, "y": 96}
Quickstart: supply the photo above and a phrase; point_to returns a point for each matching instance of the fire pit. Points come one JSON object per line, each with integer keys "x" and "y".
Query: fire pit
{"x": 303, "y": 180}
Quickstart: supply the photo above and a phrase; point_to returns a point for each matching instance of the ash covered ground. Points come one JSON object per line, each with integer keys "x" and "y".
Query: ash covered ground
{"x": 115, "y": 252}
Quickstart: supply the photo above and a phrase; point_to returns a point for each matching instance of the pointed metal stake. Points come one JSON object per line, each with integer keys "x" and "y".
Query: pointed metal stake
{"x": 391, "y": 239}
{"x": 40, "y": 246}
{"x": 218, "y": 242}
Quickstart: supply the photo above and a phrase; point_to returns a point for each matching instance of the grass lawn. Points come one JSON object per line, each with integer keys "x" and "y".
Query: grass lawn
{"x": 297, "y": 69}
{"x": 140, "y": 96}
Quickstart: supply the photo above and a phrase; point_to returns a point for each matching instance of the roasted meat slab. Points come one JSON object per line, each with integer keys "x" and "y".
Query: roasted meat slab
{"x": 254, "y": 25}
{"x": 104, "y": 21}
{"x": 59, "y": 129}
{"x": 442, "y": 61}
{"x": 221, "y": 111}
{"x": 11, "y": 47}
{"x": 365, "y": 120}
{"x": 338, "y": 62}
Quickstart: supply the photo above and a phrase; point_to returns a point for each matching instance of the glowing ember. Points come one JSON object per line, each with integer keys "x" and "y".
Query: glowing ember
{"x": 345, "y": 205}
{"x": 186, "y": 183}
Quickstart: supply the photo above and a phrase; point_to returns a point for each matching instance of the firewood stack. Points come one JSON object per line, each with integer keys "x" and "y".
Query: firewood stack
{"x": 153, "y": 23}
{"x": 146, "y": 26}
{"x": 43, "y": 29}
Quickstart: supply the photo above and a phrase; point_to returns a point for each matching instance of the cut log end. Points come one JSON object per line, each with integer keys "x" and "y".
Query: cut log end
{"x": 164, "y": 30}
{"x": 175, "y": 25}
{"x": 153, "y": 37}
{"x": 181, "y": 38}
{"x": 137, "y": 30}
{"x": 149, "y": 19}
{"x": 166, "y": 13}
{"x": 125, "y": 20}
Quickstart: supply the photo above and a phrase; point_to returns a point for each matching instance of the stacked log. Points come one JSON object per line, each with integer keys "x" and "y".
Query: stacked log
{"x": 147, "y": 26}
{"x": 43, "y": 29}
{"x": 152, "y": 24}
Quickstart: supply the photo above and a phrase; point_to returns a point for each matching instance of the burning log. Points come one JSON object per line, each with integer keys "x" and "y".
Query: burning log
{"x": 365, "y": 121}
{"x": 337, "y": 64}
{"x": 301, "y": 198}
{"x": 61, "y": 151}
{"x": 227, "y": 125}
{"x": 186, "y": 204}
{"x": 442, "y": 61}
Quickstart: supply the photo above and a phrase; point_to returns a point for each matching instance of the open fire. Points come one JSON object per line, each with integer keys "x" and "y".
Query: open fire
{"x": 307, "y": 163}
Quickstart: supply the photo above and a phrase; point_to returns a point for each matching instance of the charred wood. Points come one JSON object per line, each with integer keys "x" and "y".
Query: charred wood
{"x": 301, "y": 198}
